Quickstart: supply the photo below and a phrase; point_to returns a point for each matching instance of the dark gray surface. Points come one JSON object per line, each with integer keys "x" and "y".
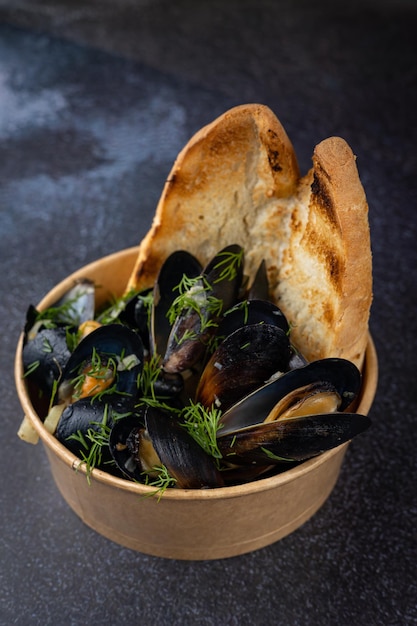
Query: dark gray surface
{"x": 87, "y": 137}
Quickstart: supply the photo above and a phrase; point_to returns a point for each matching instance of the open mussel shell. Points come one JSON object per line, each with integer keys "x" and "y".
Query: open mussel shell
{"x": 296, "y": 439}
{"x": 112, "y": 341}
{"x": 185, "y": 460}
{"x": 340, "y": 374}
{"x": 243, "y": 362}
{"x": 172, "y": 272}
{"x": 195, "y": 325}
{"x": 124, "y": 445}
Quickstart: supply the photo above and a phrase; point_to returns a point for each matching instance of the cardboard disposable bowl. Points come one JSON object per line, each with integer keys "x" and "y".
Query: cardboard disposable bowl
{"x": 185, "y": 524}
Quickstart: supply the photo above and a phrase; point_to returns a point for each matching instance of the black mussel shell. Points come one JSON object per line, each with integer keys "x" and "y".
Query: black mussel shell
{"x": 122, "y": 447}
{"x": 111, "y": 341}
{"x": 297, "y": 359}
{"x": 244, "y": 361}
{"x": 185, "y": 460}
{"x": 224, "y": 285}
{"x": 45, "y": 356}
{"x": 168, "y": 385}
{"x": 78, "y": 303}
{"x": 189, "y": 337}
{"x": 172, "y": 272}
{"x": 343, "y": 375}
{"x": 259, "y": 290}
{"x": 135, "y": 314}
{"x": 295, "y": 439}
{"x": 79, "y": 418}
{"x": 252, "y": 312}
{"x": 187, "y": 344}
{"x": 32, "y": 315}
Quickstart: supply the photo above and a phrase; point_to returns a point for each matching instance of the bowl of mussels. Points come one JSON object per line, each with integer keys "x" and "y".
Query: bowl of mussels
{"x": 180, "y": 421}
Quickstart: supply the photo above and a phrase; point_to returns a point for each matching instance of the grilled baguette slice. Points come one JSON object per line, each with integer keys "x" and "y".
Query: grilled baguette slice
{"x": 238, "y": 181}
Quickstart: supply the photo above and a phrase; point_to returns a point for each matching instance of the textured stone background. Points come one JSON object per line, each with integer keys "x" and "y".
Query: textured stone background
{"x": 96, "y": 99}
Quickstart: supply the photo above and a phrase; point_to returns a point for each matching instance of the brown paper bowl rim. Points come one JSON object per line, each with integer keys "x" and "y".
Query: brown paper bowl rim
{"x": 370, "y": 378}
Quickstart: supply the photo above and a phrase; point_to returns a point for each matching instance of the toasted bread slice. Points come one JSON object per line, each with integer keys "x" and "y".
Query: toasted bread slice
{"x": 324, "y": 284}
{"x": 238, "y": 181}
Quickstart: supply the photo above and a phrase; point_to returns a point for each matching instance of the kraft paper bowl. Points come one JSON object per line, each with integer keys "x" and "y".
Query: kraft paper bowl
{"x": 185, "y": 524}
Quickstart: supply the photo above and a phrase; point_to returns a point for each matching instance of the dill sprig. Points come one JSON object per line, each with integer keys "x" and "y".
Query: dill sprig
{"x": 203, "y": 425}
{"x": 93, "y": 442}
{"x": 160, "y": 478}
{"x": 31, "y": 368}
{"x": 148, "y": 376}
{"x": 65, "y": 313}
{"x": 275, "y": 457}
{"x": 230, "y": 262}
{"x": 118, "y": 305}
{"x": 197, "y": 299}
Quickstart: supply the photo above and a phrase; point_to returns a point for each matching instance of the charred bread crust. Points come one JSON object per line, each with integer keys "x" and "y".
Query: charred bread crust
{"x": 237, "y": 181}
{"x": 231, "y": 171}
{"x": 325, "y": 283}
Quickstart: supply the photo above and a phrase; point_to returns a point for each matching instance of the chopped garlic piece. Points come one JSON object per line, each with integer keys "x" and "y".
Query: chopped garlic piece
{"x": 27, "y": 433}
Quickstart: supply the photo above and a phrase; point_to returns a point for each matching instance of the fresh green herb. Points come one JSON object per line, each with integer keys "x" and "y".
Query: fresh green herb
{"x": 55, "y": 386}
{"x": 290, "y": 327}
{"x": 187, "y": 335}
{"x": 46, "y": 346}
{"x": 194, "y": 294}
{"x": 94, "y": 442}
{"x": 147, "y": 301}
{"x": 244, "y": 305}
{"x": 275, "y": 457}
{"x": 112, "y": 312}
{"x": 195, "y": 299}
{"x": 101, "y": 371}
{"x": 229, "y": 263}
{"x": 149, "y": 375}
{"x": 31, "y": 368}
{"x": 71, "y": 338}
{"x": 65, "y": 313}
{"x": 203, "y": 425}
{"x": 158, "y": 403}
{"x": 158, "y": 477}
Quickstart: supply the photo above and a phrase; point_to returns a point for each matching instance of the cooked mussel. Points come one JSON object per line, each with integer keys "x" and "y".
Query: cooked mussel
{"x": 127, "y": 440}
{"x": 340, "y": 374}
{"x": 77, "y": 305}
{"x": 45, "y": 356}
{"x": 50, "y": 335}
{"x": 99, "y": 382}
{"x": 113, "y": 352}
{"x": 244, "y": 361}
{"x": 186, "y": 461}
{"x": 179, "y": 266}
{"x": 200, "y": 344}
{"x": 215, "y": 291}
{"x": 289, "y": 440}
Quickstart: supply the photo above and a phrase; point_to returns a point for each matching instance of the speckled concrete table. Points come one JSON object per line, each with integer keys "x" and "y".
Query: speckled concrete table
{"x": 95, "y": 103}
